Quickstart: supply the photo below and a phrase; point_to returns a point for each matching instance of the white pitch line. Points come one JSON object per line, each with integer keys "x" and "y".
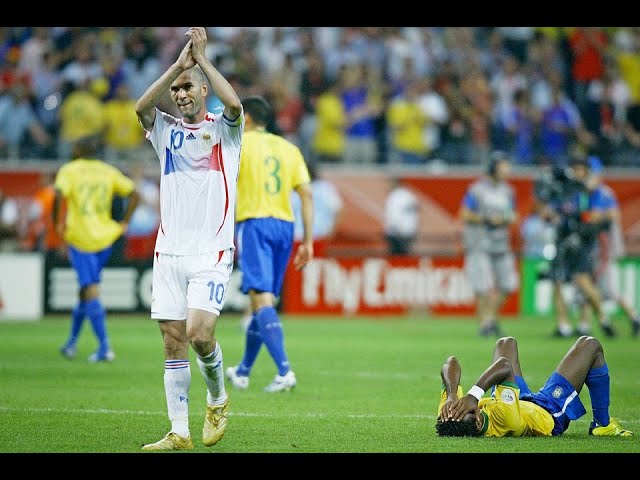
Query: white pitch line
{"x": 107, "y": 411}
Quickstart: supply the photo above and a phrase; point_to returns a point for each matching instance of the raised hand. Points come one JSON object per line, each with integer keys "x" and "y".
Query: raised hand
{"x": 185, "y": 59}
{"x": 198, "y": 36}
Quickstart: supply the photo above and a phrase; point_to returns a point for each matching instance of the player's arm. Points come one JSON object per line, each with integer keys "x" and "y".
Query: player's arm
{"x": 133, "y": 200}
{"x": 304, "y": 254}
{"x": 221, "y": 87}
{"x": 451, "y": 373}
{"x": 499, "y": 371}
{"x": 468, "y": 215}
{"x": 513, "y": 216}
{"x": 146, "y": 104}
{"x": 58, "y": 221}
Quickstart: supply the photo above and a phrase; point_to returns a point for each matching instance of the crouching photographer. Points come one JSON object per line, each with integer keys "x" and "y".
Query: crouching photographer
{"x": 567, "y": 192}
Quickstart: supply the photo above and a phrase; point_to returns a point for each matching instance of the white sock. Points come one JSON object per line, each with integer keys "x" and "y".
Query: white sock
{"x": 213, "y": 373}
{"x": 177, "y": 380}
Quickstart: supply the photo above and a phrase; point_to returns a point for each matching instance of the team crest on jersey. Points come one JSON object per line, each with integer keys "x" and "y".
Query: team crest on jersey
{"x": 557, "y": 392}
{"x": 207, "y": 139}
{"x": 508, "y": 396}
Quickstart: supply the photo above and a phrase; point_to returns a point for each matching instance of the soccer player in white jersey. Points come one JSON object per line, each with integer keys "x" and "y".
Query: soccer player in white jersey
{"x": 199, "y": 162}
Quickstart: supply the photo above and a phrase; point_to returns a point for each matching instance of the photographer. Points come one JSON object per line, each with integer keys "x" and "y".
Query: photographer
{"x": 566, "y": 191}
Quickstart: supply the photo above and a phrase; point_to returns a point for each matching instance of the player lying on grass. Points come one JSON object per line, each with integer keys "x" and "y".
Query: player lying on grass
{"x": 513, "y": 410}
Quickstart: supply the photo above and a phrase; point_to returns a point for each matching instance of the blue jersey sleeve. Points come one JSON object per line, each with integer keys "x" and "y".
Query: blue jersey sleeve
{"x": 470, "y": 201}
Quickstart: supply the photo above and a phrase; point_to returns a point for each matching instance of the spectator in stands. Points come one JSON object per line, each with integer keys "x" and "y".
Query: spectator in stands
{"x": 83, "y": 68}
{"x": 588, "y": 47}
{"x": 361, "y": 143}
{"x": 518, "y": 125}
{"x": 21, "y": 133}
{"x": 34, "y": 48}
{"x": 505, "y": 83}
{"x": 401, "y": 218}
{"x": 141, "y": 64}
{"x": 288, "y": 110}
{"x": 328, "y": 141}
{"x": 406, "y": 122}
{"x": 313, "y": 83}
{"x": 124, "y": 139}
{"x": 561, "y": 128}
{"x": 81, "y": 115}
{"x": 605, "y": 110}
{"x": 47, "y": 90}
{"x": 435, "y": 108}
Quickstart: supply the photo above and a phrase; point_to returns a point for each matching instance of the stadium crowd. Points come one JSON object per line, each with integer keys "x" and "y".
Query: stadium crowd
{"x": 370, "y": 95}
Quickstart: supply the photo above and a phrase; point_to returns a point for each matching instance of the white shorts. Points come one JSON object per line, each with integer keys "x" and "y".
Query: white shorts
{"x": 485, "y": 271}
{"x": 181, "y": 282}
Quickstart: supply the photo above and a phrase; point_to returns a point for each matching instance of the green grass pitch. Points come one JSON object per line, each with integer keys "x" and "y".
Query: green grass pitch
{"x": 365, "y": 385}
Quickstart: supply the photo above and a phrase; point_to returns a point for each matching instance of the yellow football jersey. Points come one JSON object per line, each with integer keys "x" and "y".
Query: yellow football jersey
{"x": 271, "y": 167}
{"x": 508, "y": 416}
{"x": 89, "y": 187}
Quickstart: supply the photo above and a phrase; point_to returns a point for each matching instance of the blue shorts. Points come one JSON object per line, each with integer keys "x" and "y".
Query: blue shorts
{"x": 559, "y": 398}
{"x": 264, "y": 247}
{"x": 88, "y": 265}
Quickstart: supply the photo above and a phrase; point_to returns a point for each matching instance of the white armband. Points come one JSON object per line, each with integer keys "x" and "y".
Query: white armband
{"x": 476, "y": 391}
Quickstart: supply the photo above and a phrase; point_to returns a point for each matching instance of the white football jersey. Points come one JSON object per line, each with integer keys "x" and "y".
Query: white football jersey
{"x": 199, "y": 166}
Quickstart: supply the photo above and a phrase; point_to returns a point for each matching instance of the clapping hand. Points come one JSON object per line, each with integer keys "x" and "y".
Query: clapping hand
{"x": 198, "y": 39}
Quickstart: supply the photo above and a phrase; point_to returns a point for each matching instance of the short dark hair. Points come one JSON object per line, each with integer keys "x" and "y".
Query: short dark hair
{"x": 87, "y": 146}
{"x": 464, "y": 428}
{"x": 258, "y": 107}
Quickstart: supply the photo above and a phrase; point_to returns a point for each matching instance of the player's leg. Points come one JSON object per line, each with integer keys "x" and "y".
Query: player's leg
{"x": 585, "y": 364}
{"x": 583, "y": 269}
{"x": 200, "y": 331}
{"x": 605, "y": 282}
{"x": 507, "y": 347}
{"x": 78, "y": 314}
{"x": 631, "y": 313}
{"x": 506, "y": 280}
{"x": 478, "y": 271}
{"x": 558, "y": 275}
{"x": 267, "y": 316}
{"x": 95, "y": 309}
{"x": 585, "y": 283}
{"x": 169, "y": 308}
{"x": 208, "y": 280}
{"x": 177, "y": 382}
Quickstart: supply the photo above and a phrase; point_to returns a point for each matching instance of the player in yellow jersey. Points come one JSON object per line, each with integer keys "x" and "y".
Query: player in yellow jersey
{"x": 88, "y": 185}
{"x": 514, "y": 410}
{"x": 271, "y": 168}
